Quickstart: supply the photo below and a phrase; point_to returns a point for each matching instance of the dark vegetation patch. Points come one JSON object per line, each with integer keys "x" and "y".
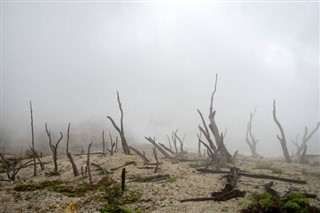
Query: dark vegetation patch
{"x": 293, "y": 202}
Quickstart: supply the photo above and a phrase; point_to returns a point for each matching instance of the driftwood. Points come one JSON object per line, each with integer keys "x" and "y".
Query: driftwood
{"x": 228, "y": 192}
{"x": 151, "y": 178}
{"x": 261, "y": 176}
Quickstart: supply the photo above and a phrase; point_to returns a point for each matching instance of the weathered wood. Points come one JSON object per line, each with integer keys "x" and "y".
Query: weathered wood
{"x": 32, "y": 142}
{"x": 218, "y": 197}
{"x": 126, "y": 164}
{"x": 261, "y": 176}
{"x": 88, "y": 163}
{"x": 120, "y": 130}
{"x": 282, "y": 139}
{"x": 143, "y": 157}
{"x": 227, "y": 192}
{"x": 54, "y": 148}
{"x": 250, "y": 137}
{"x": 154, "y": 143}
{"x": 100, "y": 168}
{"x": 123, "y": 180}
{"x": 74, "y": 166}
{"x": 151, "y": 178}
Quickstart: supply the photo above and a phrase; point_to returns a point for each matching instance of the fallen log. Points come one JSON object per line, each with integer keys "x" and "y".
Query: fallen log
{"x": 154, "y": 178}
{"x": 260, "y": 176}
{"x": 228, "y": 192}
{"x": 218, "y": 197}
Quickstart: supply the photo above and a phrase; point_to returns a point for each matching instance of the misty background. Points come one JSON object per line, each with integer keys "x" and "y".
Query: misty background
{"x": 70, "y": 58}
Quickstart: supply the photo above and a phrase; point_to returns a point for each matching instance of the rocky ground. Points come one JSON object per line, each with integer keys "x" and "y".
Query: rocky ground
{"x": 163, "y": 196}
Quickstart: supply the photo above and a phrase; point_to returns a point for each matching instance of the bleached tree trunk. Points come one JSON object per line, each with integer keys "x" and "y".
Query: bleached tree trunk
{"x": 250, "y": 137}
{"x": 282, "y": 139}
{"x": 306, "y": 138}
{"x": 120, "y": 130}
{"x": 54, "y": 148}
{"x": 32, "y": 138}
{"x": 74, "y": 166}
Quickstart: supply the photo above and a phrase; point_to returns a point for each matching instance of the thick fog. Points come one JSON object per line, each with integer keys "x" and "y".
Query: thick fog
{"x": 70, "y": 58}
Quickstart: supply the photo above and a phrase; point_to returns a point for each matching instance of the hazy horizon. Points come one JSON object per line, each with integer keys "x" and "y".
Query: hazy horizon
{"x": 70, "y": 58}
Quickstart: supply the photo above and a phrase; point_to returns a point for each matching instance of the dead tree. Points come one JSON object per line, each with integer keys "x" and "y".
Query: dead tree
{"x": 181, "y": 141}
{"x": 13, "y": 167}
{"x": 113, "y": 148}
{"x": 306, "y": 138}
{"x": 54, "y": 148}
{"x": 250, "y": 137}
{"x": 35, "y": 154}
{"x": 156, "y": 157}
{"x": 88, "y": 163}
{"x": 103, "y": 144}
{"x": 221, "y": 154}
{"x": 74, "y": 166}
{"x": 120, "y": 130}
{"x": 32, "y": 138}
{"x": 142, "y": 156}
{"x": 155, "y": 144}
{"x": 174, "y": 140}
{"x": 282, "y": 139}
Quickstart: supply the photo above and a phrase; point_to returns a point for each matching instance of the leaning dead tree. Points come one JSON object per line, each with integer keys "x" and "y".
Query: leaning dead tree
{"x": 155, "y": 144}
{"x": 120, "y": 130}
{"x": 218, "y": 151}
{"x": 306, "y": 137}
{"x": 282, "y": 139}
{"x": 32, "y": 138}
{"x": 74, "y": 166}
{"x": 250, "y": 137}
{"x": 54, "y": 148}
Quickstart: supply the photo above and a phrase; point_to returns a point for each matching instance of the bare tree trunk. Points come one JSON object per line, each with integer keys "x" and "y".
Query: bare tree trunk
{"x": 103, "y": 144}
{"x": 250, "y": 138}
{"x": 54, "y": 148}
{"x": 74, "y": 166}
{"x": 306, "y": 138}
{"x": 32, "y": 134}
{"x": 88, "y": 163}
{"x": 120, "y": 130}
{"x": 220, "y": 154}
{"x": 282, "y": 139}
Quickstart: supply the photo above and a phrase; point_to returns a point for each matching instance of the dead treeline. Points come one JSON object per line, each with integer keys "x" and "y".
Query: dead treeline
{"x": 212, "y": 150}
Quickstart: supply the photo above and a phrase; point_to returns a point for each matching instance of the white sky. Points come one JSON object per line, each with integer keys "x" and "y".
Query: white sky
{"x": 70, "y": 58}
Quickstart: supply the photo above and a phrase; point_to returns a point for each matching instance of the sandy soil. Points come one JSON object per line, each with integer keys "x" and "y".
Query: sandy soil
{"x": 163, "y": 196}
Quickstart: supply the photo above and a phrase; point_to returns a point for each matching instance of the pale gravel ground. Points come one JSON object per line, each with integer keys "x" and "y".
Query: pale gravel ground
{"x": 156, "y": 197}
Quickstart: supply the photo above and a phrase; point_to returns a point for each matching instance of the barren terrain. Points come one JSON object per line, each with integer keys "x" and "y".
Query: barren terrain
{"x": 162, "y": 196}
